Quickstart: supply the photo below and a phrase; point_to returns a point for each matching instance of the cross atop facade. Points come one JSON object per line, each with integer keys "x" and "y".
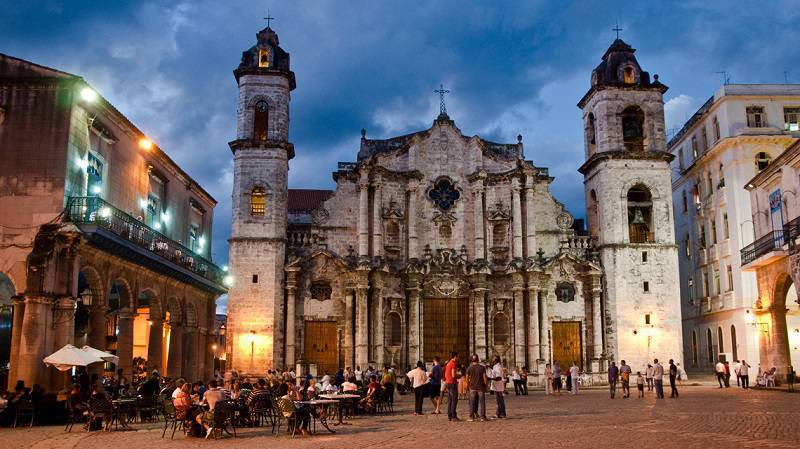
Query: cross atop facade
{"x": 617, "y": 29}
{"x": 441, "y": 91}
{"x": 268, "y": 18}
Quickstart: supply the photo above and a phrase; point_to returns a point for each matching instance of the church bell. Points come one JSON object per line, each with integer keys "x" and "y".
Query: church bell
{"x": 638, "y": 218}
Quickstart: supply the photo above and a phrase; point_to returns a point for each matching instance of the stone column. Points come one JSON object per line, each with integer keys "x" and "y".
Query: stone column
{"x": 34, "y": 344}
{"x": 348, "y": 329}
{"x": 516, "y": 214}
{"x": 97, "y": 327}
{"x": 291, "y": 319}
{"x": 779, "y": 355}
{"x": 530, "y": 227}
{"x": 363, "y": 217}
{"x": 16, "y": 335}
{"x": 210, "y": 354}
{"x": 519, "y": 325}
{"x": 377, "y": 324}
{"x": 377, "y": 222}
{"x": 202, "y": 351}
{"x": 480, "y": 241}
{"x": 533, "y": 328}
{"x": 597, "y": 323}
{"x": 414, "y": 350}
{"x": 545, "y": 326}
{"x": 155, "y": 345}
{"x": 175, "y": 354}
{"x": 362, "y": 328}
{"x": 63, "y": 334}
{"x": 413, "y": 251}
{"x": 125, "y": 342}
{"x": 479, "y": 295}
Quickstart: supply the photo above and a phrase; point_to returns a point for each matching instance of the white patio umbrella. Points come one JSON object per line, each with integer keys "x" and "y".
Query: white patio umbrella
{"x": 70, "y": 356}
{"x": 105, "y": 356}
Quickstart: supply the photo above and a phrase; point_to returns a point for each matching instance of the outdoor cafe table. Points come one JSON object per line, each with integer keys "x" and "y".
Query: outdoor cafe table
{"x": 321, "y": 403}
{"x": 340, "y": 397}
{"x": 124, "y": 407}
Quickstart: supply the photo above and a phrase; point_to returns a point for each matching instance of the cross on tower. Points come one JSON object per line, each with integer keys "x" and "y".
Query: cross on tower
{"x": 268, "y": 18}
{"x": 441, "y": 91}
{"x": 617, "y": 29}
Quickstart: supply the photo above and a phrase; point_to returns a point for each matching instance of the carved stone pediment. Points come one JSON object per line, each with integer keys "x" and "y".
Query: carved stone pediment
{"x": 445, "y": 286}
{"x": 392, "y": 211}
{"x": 499, "y": 212}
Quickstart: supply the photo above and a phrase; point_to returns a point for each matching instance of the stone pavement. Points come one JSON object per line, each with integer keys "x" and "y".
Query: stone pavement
{"x": 701, "y": 417}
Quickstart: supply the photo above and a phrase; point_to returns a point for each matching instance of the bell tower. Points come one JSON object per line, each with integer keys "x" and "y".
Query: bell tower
{"x": 627, "y": 182}
{"x": 261, "y": 154}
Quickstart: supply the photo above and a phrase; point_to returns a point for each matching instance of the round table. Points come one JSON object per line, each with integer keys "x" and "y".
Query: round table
{"x": 321, "y": 403}
{"x": 340, "y": 397}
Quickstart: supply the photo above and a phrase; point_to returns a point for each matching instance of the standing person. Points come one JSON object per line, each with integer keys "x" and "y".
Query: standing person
{"x": 419, "y": 379}
{"x": 640, "y": 383}
{"x": 556, "y": 378}
{"x": 720, "y": 370}
{"x": 387, "y": 382}
{"x": 451, "y": 383}
{"x": 477, "y": 381}
{"x": 574, "y": 373}
{"x": 517, "y": 380}
{"x": 658, "y": 379}
{"x": 673, "y": 374}
{"x": 524, "y": 380}
{"x": 682, "y": 377}
{"x": 625, "y": 377}
{"x": 727, "y": 374}
{"x": 648, "y": 376}
{"x": 613, "y": 376}
{"x": 744, "y": 374}
{"x": 499, "y": 386}
{"x": 548, "y": 375}
{"x": 359, "y": 376}
{"x": 736, "y": 372}
{"x": 435, "y": 386}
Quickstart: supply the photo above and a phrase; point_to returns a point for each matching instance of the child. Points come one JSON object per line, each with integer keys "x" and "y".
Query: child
{"x": 640, "y": 383}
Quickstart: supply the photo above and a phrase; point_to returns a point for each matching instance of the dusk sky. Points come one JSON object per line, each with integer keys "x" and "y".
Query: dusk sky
{"x": 516, "y": 67}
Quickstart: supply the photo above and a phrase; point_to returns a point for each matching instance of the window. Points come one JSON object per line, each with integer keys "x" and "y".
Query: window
{"x": 565, "y": 292}
{"x": 258, "y": 202}
{"x": 720, "y": 340}
{"x": 695, "y": 150}
{"x": 94, "y": 172}
{"x": 690, "y": 289}
{"x": 591, "y": 131}
{"x": 713, "y": 231}
{"x": 684, "y": 202}
{"x": 501, "y": 329}
{"x": 633, "y": 128}
{"x": 704, "y": 138}
{"x": 640, "y": 215}
{"x": 395, "y": 332}
{"x": 261, "y": 121}
{"x": 696, "y": 194}
{"x": 321, "y": 291}
{"x": 702, "y": 236}
{"x": 694, "y": 348}
{"x": 791, "y": 119}
{"x": 255, "y": 279}
{"x": 709, "y": 184}
{"x": 680, "y": 159}
{"x": 153, "y": 211}
{"x": 263, "y": 57}
{"x": 730, "y": 278}
{"x": 710, "y": 346}
{"x": 756, "y": 118}
{"x": 717, "y": 289}
{"x": 687, "y": 244}
{"x": 734, "y": 346}
{"x": 444, "y": 194}
{"x": 721, "y": 177}
{"x": 629, "y": 76}
{"x": 644, "y": 256}
{"x": 705, "y": 285}
{"x": 646, "y": 287}
{"x": 646, "y": 318}
{"x": 725, "y": 229}
{"x": 762, "y": 161}
{"x": 193, "y": 238}
{"x": 715, "y": 124}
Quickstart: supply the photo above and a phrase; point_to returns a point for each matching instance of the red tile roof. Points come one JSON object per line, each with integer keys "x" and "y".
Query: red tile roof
{"x": 307, "y": 199}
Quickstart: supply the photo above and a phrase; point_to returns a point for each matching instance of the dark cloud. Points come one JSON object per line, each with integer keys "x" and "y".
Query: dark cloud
{"x": 512, "y": 66}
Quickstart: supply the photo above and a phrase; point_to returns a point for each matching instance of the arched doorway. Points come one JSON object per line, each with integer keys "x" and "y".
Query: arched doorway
{"x": 793, "y": 326}
{"x": 142, "y": 326}
{"x": 7, "y": 291}
{"x": 782, "y": 346}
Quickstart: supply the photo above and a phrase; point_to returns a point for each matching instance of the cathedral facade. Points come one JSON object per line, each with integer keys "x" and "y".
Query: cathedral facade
{"x": 437, "y": 241}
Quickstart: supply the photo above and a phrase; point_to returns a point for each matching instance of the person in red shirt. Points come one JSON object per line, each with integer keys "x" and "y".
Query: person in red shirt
{"x": 451, "y": 382}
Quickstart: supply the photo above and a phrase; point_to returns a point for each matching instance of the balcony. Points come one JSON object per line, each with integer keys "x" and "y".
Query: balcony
{"x": 113, "y": 230}
{"x": 763, "y": 251}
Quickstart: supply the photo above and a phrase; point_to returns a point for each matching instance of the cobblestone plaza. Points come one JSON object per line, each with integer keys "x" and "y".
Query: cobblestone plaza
{"x": 702, "y": 417}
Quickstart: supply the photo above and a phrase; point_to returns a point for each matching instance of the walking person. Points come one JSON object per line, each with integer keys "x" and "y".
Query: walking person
{"x": 499, "y": 386}
{"x": 673, "y": 374}
{"x": 478, "y": 381}
{"x": 435, "y": 385}
{"x": 640, "y": 383}
{"x": 451, "y": 383}
{"x": 720, "y": 370}
{"x": 419, "y": 379}
{"x": 556, "y": 378}
{"x": 648, "y": 376}
{"x": 613, "y": 377}
{"x": 523, "y": 375}
{"x": 658, "y": 379}
{"x": 744, "y": 374}
{"x": 625, "y": 376}
{"x": 548, "y": 384}
{"x": 574, "y": 373}
{"x": 727, "y": 374}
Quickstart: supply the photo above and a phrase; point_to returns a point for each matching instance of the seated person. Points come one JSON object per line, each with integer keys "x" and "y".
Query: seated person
{"x": 311, "y": 390}
{"x": 373, "y": 391}
{"x": 78, "y": 405}
{"x": 287, "y": 405}
{"x": 213, "y": 395}
{"x": 183, "y": 403}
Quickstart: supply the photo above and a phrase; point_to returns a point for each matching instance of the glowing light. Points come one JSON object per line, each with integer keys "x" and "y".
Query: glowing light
{"x": 214, "y": 347}
{"x": 157, "y": 225}
{"x": 143, "y": 203}
{"x": 149, "y": 322}
{"x": 105, "y": 212}
{"x": 228, "y": 280}
{"x": 165, "y": 217}
{"x": 201, "y": 242}
{"x": 96, "y": 189}
{"x": 83, "y": 163}
{"x": 252, "y": 337}
{"x": 225, "y": 268}
{"x": 145, "y": 143}
{"x": 88, "y": 94}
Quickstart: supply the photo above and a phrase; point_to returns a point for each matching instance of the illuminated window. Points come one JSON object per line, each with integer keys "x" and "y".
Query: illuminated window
{"x": 258, "y": 202}
{"x": 263, "y": 57}
{"x": 629, "y": 75}
{"x": 756, "y": 118}
{"x": 94, "y": 172}
{"x": 193, "y": 237}
{"x": 260, "y": 120}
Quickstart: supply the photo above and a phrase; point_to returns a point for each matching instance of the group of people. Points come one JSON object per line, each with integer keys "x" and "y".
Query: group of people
{"x": 653, "y": 377}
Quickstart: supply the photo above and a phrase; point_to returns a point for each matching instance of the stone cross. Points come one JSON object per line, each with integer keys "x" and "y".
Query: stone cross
{"x": 441, "y": 91}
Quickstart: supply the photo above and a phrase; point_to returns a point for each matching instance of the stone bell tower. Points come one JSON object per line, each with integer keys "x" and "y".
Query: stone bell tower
{"x": 627, "y": 181}
{"x": 261, "y": 154}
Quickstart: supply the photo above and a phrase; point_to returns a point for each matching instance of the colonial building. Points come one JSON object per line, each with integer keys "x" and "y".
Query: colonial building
{"x": 437, "y": 241}
{"x": 731, "y": 138}
{"x": 105, "y": 240}
{"x": 773, "y": 257}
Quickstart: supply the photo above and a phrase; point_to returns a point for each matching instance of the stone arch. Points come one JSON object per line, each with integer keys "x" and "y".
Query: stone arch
{"x": 251, "y": 103}
{"x": 655, "y": 193}
{"x": 7, "y": 289}
{"x": 783, "y": 283}
{"x": 148, "y": 297}
{"x": 174, "y": 310}
{"x": 95, "y": 284}
{"x": 639, "y": 205}
{"x": 125, "y": 292}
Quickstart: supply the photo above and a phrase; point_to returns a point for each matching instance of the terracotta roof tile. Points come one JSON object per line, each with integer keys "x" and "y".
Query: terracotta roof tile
{"x": 307, "y": 199}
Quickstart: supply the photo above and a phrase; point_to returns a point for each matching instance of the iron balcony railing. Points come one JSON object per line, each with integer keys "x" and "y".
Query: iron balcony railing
{"x": 98, "y": 212}
{"x": 772, "y": 241}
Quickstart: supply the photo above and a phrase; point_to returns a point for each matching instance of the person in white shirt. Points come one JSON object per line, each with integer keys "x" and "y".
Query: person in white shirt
{"x": 736, "y": 367}
{"x": 498, "y": 375}
{"x": 648, "y": 377}
{"x": 720, "y": 370}
{"x": 658, "y": 379}
{"x": 358, "y": 374}
{"x": 744, "y": 373}
{"x": 574, "y": 372}
{"x": 326, "y": 381}
{"x": 517, "y": 380}
{"x": 419, "y": 380}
